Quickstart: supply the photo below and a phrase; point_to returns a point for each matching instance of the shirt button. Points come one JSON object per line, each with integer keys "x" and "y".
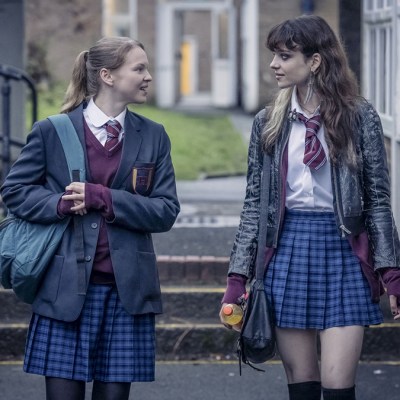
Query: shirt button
{"x": 94, "y": 225}
{"x": 88, "y": 258}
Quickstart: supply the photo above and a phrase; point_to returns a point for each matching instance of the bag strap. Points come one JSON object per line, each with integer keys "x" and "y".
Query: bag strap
{"x": 262, "y": 235}
{"x": 76, "y": 164}
{"x": 71, "y": 144}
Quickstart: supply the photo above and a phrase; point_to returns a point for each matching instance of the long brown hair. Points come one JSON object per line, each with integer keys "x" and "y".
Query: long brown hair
{"x": 334, "y": 82}
{"x": 108, "y": 52}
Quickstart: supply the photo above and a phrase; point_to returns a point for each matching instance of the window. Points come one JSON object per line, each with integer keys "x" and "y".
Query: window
{"x": 380, "y": 72}
{"x": 223, "y": 49}
{"x": 120, "y": 17}
{"x": 377, "y": 5}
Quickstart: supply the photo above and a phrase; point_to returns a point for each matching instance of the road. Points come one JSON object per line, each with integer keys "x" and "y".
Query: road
{"x": 213, "y": 381}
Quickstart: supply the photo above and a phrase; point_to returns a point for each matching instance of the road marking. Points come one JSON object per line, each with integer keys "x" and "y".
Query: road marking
{"x": 207, "y": 221}
{"x": 177, "y": 289}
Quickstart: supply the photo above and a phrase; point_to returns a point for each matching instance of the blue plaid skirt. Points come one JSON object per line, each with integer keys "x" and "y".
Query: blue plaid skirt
{"x": 314, "y": 280}
{"x": 106, "y": 343}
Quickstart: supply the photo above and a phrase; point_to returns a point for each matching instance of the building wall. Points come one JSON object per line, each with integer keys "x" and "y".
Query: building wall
{"x": 350, "y": 32}
{"x": 146, "y": 21}
{"x": 273, "y": 12}
{"x": 11, "y": 53}
{"x": 57, "y": 30}
{"x": 75, "y": 25}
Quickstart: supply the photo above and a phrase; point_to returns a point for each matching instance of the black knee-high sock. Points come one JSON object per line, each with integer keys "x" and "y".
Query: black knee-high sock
{"x": 310, "y": 390}
{"x": 111, "y": 390}
{"x": 340, "y": 394}
{"x": 64, "y": 389}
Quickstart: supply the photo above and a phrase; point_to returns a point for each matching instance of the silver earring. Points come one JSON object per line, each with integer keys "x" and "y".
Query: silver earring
{"x": 310, "y": 88}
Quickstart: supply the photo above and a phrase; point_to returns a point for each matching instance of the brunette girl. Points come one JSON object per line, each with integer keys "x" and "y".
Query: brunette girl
{"x": 331, "y": 237}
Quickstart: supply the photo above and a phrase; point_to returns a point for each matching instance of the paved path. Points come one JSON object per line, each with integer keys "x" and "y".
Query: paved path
{"x": 209, "y": 218}
{"x": 210, "y": 210}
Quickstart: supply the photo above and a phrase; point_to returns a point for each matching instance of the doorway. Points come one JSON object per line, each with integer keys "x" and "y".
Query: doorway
{"x": 196, "y": 54}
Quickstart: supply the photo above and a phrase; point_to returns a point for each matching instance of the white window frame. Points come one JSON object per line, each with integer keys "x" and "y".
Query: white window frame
{"x": 380, "y": 67}
{"x": 113, "y": 21}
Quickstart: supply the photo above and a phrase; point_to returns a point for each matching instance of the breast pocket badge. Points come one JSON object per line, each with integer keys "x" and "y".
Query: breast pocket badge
{"x": 142, "y": 178}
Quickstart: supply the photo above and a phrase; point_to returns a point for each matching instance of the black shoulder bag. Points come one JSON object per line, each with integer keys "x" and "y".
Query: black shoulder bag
{"x": 256, "y": 343}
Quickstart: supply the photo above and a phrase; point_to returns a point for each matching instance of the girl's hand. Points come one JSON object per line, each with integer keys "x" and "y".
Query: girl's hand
{"x": 236, "y": 327}
{"x": 394, "y": 307}
{"x": 77, "y": 196}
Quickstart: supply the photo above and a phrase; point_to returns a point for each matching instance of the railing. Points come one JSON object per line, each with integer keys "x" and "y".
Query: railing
{"x": 11, "y": 73}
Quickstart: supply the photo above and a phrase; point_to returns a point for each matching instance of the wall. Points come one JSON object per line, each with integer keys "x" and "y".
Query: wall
{"x": 12, "y": 53}
{"x": 58, "y": 30}
{"x": 147, "y": 34}
{"x": 273, "y": 12}
{"x": 350, "y": 32}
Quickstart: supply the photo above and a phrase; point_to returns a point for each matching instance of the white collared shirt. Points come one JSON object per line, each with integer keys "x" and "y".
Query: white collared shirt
{"x": 306, "y": 189}
{"x": 95, "y": 119}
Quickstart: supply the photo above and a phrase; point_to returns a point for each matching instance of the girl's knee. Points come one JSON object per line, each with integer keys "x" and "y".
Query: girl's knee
{"x": 296, "y": 373}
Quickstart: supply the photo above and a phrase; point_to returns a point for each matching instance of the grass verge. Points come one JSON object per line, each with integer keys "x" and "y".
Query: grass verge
{"x": 203, "y": 145}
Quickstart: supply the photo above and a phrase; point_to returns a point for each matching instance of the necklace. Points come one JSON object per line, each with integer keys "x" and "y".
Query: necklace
{"x": 310, "y": 112}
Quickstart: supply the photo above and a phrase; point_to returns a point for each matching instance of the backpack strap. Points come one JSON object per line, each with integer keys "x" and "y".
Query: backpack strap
{"x": 76, "y": 164}
{"x": 71, "y": 144}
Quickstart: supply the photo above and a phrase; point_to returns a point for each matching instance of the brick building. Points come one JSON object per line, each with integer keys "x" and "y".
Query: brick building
{"x": 208, "y": 52}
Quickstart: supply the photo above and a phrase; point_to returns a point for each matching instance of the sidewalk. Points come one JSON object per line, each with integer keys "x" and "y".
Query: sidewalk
{"x": 211, "y": 206}
{"x": 208, "y": 221}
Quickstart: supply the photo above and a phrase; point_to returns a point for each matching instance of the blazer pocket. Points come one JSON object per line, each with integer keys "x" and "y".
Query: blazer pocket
{"x": 148, "y": 280}
{"x": 141, "y": 178}
{"x": 51, "y": 282}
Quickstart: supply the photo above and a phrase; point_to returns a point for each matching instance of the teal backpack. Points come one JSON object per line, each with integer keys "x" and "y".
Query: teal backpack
{"x": 26, "y": 248}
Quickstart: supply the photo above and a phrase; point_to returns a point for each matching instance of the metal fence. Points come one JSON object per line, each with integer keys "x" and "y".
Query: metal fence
{"x": 9, "y": 73}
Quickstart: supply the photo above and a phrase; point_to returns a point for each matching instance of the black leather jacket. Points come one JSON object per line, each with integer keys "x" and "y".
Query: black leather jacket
{"x": 361, "y": 199}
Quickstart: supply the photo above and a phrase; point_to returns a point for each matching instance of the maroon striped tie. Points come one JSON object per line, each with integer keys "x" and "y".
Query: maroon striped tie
{"x": 314, "y": 154}
{"x": 113, "y": 129}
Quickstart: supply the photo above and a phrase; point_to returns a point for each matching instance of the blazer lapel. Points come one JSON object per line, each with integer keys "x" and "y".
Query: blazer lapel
{"x": 130, "y": 148}
{"x": 76, "y": 117}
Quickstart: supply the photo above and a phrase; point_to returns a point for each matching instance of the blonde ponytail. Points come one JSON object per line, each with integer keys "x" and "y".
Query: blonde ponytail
{"x": 77, "y": 88}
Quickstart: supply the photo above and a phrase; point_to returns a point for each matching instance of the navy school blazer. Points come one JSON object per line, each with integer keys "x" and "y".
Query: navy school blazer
{"x": 38, "y": 179}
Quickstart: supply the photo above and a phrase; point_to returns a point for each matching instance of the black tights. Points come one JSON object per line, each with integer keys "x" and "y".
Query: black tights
{"x": 110, "y": 391}
{"x": 66, "y": 389}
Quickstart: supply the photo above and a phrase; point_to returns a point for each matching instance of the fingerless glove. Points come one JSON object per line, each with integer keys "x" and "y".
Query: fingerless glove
{"x": 236, "y": 287}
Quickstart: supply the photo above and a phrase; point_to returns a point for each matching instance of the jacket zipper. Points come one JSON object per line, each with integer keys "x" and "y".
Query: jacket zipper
{"x": 342, "y": 227}
{"x": 280, "y": 189}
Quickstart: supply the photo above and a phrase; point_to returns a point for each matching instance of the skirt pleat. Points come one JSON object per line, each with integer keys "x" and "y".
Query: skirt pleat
{"x": 314, "y": 280}
{"x": 106, "y": 343}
